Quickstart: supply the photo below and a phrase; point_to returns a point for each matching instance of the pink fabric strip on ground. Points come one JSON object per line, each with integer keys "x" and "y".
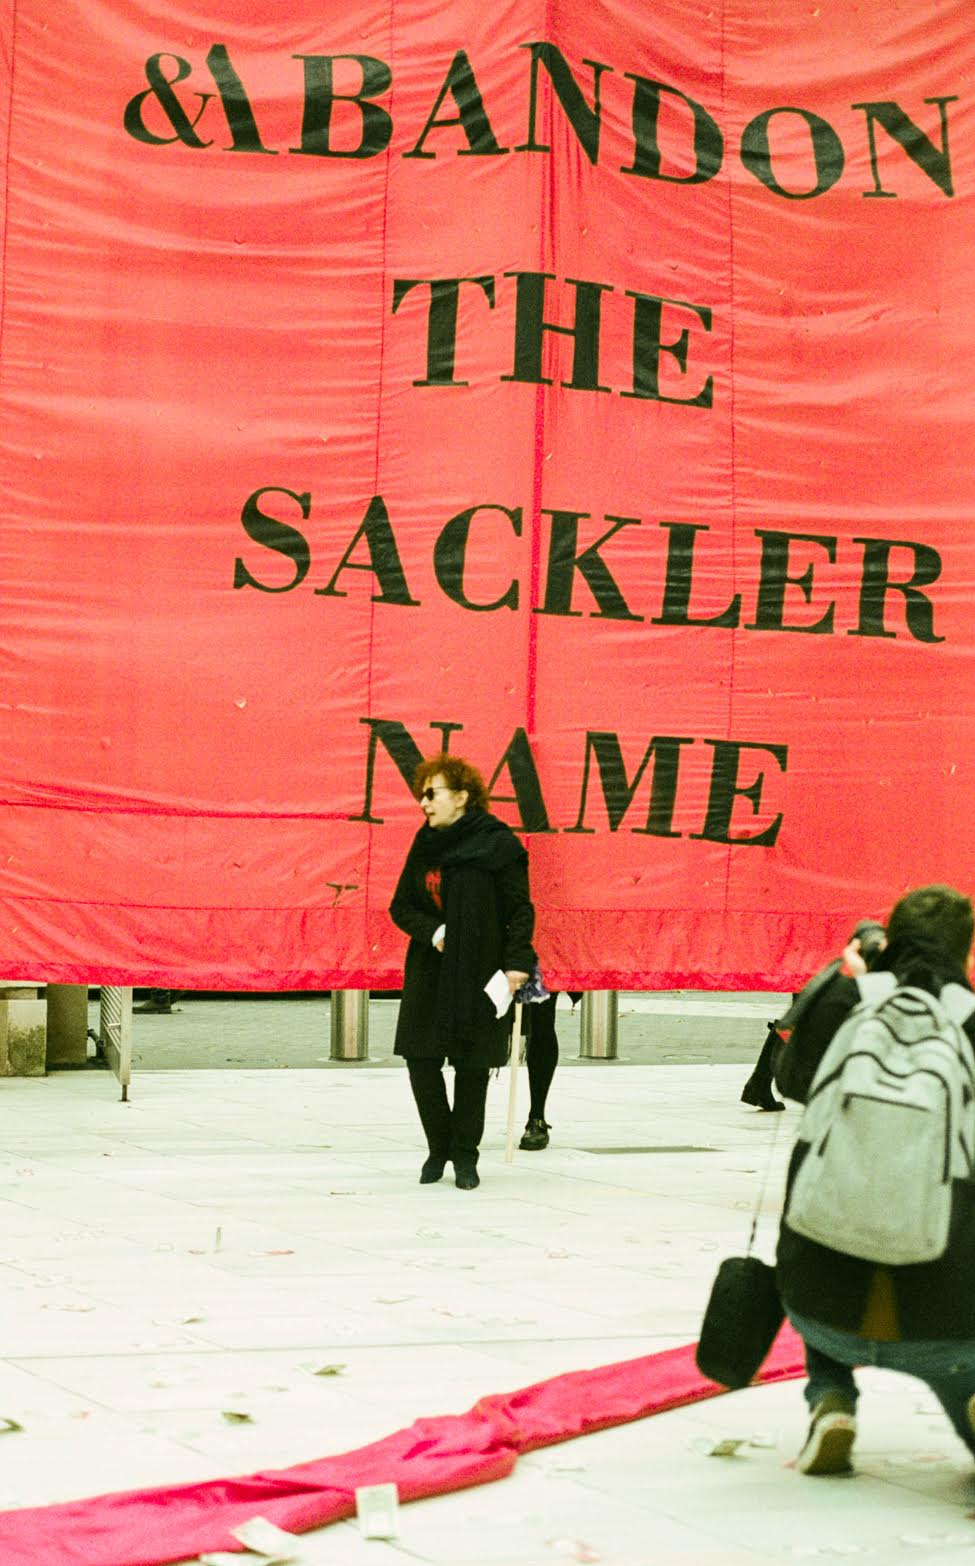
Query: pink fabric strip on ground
{"x": 151, "y": 1527}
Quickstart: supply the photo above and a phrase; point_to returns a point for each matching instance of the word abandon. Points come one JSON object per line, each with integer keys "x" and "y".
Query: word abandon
{"x": 788, "y": 561}
{"x": 730, "y": 762}
{"x": 674, "y": 138}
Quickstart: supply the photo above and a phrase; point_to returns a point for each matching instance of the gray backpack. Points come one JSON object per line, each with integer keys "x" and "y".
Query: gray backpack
{"x": 890, "y": 1123}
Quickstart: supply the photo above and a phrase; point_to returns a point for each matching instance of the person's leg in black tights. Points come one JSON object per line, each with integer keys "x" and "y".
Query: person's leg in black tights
{"x": 467, "y": 1116}
{"x": 430, "y": 1094}
{"x": 758, "y": 1088}
{"x": 542, "y": 1054}
{"x": 467, "y": 1123}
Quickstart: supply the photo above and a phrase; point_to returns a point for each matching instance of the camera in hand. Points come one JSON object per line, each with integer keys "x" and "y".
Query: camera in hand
{"x": 872, "y": 937}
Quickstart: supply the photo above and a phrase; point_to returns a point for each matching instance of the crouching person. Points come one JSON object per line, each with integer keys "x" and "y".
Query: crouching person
{"x": 876, "y": 1250}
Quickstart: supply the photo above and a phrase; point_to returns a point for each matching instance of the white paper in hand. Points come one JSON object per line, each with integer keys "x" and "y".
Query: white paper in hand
{"x": 498, "y": 991}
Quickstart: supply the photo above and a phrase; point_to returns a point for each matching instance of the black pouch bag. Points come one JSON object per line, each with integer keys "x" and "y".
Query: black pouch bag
{"x": 742, "y": 1317}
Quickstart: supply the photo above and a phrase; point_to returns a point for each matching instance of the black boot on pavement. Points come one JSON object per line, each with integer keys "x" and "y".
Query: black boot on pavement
{"x": 535, "y": 1135}
{"x": 432, "y": 1170}
{"x": 760, "y": 1096}
{"x": 758, "y": 1088}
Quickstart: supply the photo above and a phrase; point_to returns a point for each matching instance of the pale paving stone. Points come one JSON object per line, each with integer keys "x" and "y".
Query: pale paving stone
{"x": 211, "y": 1244}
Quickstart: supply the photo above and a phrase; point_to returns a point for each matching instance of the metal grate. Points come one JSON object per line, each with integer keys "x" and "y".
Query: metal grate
{"x": 649, "y": 1149}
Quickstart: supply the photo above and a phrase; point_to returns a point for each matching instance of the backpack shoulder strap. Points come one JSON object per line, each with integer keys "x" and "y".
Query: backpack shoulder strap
{"x": 875, "y": 987}
{"x": 958, "y": 1002}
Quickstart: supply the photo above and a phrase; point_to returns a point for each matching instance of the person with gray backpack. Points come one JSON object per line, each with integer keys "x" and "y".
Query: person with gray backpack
{"x": 876, "y": 1251}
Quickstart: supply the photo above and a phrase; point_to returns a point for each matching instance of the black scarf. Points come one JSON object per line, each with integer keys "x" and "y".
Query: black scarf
{"x": 470, "y": 853}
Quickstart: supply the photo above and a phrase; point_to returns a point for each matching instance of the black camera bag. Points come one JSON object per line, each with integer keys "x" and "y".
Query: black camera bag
{"x": 743, "y": 1315}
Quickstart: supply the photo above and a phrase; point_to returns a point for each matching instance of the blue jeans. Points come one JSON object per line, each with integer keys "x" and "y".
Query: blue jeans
{"x": 947, "y": 1365}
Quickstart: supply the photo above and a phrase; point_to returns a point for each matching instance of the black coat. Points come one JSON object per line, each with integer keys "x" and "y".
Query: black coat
{"x": 502, "y": 922}
{"x": 933, "y": 1299}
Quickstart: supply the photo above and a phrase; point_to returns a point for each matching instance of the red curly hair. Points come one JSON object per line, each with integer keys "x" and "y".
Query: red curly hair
{"x": 457, "y": 774}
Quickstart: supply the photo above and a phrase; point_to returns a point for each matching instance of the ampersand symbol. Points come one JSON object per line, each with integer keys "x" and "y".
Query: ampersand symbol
{"x": 161, "y": 88}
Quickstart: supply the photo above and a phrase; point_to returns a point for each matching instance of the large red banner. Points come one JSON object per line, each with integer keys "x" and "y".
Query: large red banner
{"x": 584, "y": 387}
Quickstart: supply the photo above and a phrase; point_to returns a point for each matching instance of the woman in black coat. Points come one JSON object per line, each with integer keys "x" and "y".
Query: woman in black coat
{"x": 463, "y": 900}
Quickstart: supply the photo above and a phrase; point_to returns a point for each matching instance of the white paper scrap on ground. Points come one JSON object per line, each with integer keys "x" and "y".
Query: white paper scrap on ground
{"x": 268, "y": 1540}
{"x": 225, "y": 1558}
{"x": 377, "y": 1507}
{"x": 721, "y": 1446}
{"x": 498, "y": 991}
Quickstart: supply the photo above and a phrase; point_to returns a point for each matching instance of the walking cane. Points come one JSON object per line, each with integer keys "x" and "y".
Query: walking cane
{"x": 515, "y": 1059}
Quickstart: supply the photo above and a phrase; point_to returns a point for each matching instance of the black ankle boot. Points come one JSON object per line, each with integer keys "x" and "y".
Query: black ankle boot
{"x": 432, "y": 1170}
{"x": 758, "y": 1088}
{"x": 535, "y": 1135}
{"x": 466, "y": 1177}
{"x": 759, "y": 1095}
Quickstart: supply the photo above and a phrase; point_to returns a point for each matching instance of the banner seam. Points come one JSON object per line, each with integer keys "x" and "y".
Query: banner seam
{"x": 6, "y": 179}
{"x": 379, "y": 424}
{"x": 732, "y": 476}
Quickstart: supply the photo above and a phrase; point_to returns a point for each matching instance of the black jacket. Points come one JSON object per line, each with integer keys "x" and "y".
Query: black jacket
{"x": 933, "y": 1299}
{"x": 502, "y": 920}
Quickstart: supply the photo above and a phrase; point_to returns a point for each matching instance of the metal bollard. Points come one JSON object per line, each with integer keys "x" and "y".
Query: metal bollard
{"x": 350, "y": 1025}
{"x": 597, "y": 1031}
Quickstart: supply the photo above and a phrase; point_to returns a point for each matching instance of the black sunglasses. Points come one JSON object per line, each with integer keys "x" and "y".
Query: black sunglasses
{"x": 428, "y": 793}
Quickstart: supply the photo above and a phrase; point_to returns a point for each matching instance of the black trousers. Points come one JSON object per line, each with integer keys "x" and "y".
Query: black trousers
{"x": 452, "y": 1131}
